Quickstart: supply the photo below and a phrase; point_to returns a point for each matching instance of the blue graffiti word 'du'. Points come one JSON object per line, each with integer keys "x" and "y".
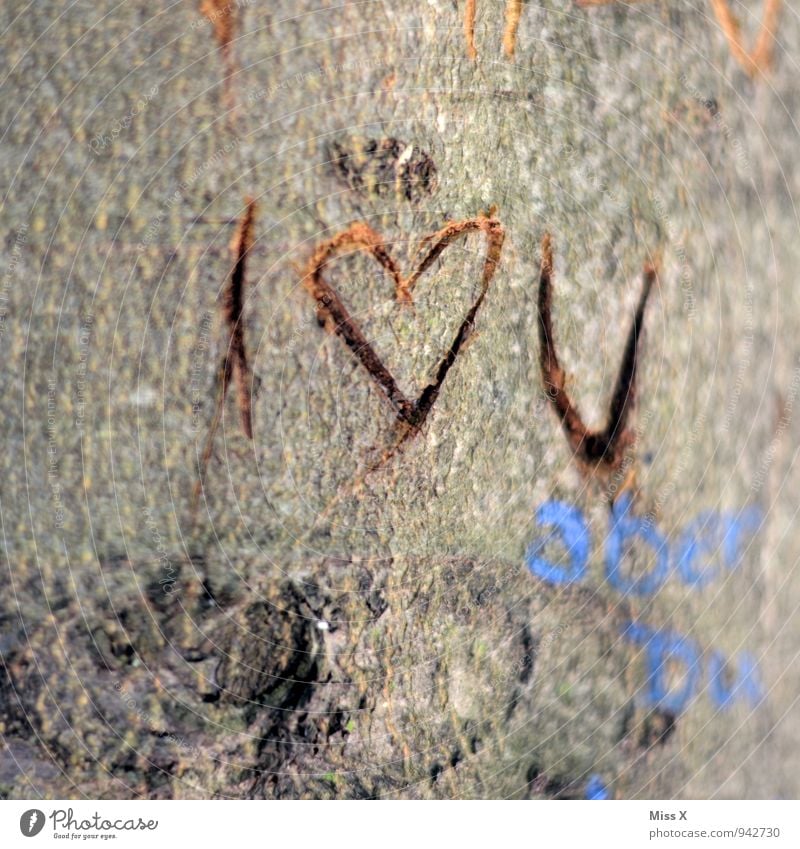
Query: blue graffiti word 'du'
{"x": 707, "y": 535}
{"x": 668, "y": 653}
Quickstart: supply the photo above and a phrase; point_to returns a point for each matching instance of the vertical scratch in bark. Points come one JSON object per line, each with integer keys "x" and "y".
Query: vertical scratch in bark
{"x": 513, "y": 14}
{"x": 469, "y": 28}
{"x": 222, "y": 16}
{"x": 233, "y": 305}
{"x": 234, "y": 364}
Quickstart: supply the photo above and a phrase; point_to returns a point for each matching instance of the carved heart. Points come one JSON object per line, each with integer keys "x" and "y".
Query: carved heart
{"x": 333, "y": 315}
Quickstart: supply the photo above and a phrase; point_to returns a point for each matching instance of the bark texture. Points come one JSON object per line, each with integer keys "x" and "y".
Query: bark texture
{"x": 336, "y": 617}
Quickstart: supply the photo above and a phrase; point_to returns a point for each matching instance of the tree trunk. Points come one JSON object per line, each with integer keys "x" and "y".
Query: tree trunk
{"x": 354, "y": 603}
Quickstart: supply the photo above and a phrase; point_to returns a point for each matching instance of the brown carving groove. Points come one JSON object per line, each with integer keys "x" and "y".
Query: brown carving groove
{"x": 234, "y": 361}
{"x": 333, "y": 314}
{"x": 604, "y": 447}
{"x": 469, "y": 29}
{"x": 513, "y": 15}
{"x": 235, "y": 364}
{"x": 221, "y": 14}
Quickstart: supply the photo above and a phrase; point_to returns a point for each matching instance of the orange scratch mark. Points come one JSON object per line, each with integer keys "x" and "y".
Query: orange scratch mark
{"x": 469, "y": 28}
{"x": 221, "y": 15}
{"x": 513, "y": 14}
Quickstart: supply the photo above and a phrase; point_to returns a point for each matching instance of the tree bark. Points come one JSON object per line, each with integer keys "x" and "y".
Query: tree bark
{"x": 346, "y": 610}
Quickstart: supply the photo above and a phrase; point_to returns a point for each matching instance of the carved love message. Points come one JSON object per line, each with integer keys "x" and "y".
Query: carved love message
{"x": 333, "y": 315}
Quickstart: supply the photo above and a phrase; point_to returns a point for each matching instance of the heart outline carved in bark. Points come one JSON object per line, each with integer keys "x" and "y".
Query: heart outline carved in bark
{"x": 332, "y": 314}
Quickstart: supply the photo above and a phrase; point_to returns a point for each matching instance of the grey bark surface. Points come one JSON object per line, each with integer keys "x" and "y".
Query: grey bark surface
{"x": 311, "y": 630}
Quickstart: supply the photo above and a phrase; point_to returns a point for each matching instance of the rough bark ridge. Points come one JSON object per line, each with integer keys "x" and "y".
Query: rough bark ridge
{"x": 332, "y": 621}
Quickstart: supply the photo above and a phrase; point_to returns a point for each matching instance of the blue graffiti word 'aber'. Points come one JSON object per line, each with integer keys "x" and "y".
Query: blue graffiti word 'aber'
{"x": 709, "y": 533}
